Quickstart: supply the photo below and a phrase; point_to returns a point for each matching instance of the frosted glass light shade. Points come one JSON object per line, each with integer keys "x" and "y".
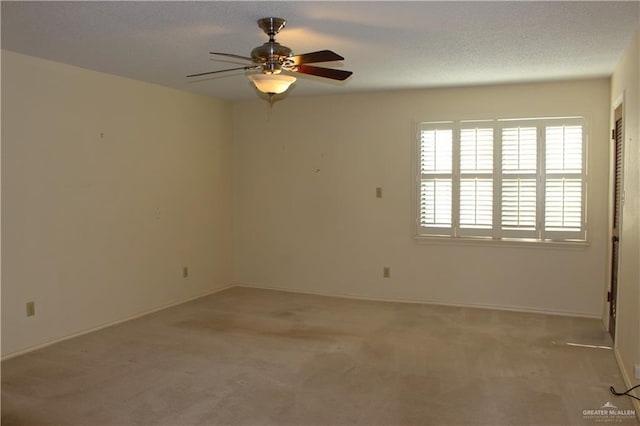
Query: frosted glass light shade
{"x": 272, "y": 83}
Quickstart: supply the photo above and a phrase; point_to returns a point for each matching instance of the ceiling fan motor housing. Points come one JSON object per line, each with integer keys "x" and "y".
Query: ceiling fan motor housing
{"x": 271, "y": 55}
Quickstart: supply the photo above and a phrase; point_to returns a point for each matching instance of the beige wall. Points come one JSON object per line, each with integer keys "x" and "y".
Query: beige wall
{"x": 625, "y": 85}
{"x": 109, "y": 187}
{"x": 306, "y": 216}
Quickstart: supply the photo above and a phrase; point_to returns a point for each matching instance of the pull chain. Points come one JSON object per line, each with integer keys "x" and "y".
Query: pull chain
{"x": 270, "y": 111}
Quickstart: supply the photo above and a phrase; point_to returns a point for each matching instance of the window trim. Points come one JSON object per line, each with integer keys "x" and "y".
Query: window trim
{"x": 455, "y": 233}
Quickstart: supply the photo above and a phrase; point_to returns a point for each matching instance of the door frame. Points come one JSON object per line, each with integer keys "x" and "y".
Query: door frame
{"x": 619, "y": 103}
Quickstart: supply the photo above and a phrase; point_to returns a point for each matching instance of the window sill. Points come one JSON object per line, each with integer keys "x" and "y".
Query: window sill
{"x": 502, "y": 242}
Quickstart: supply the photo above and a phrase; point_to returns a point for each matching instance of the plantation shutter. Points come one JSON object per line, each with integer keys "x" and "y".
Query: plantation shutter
{"x": 504, "y": 179}
{"x": 476, "y": 181}
{"x": 436, "y": 179}
{"x": 519, "y": 181}
{"x": 564, "y": 182}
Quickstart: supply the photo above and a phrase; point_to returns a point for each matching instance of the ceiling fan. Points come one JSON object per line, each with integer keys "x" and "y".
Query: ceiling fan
{"x": 271, "y": 58}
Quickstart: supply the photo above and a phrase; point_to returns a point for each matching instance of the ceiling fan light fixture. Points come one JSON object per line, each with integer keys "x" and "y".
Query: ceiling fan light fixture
{"x": 272, "y": 84}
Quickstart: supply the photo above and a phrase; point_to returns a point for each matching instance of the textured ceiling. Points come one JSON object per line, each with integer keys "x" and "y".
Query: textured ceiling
{"x": 388, "y": 45}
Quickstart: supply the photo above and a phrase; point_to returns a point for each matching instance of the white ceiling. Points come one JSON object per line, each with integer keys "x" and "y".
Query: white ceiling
{"x": 388, "y": 45}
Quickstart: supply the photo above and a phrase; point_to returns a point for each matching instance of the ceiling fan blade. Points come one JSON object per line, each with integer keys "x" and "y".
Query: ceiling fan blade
{"x": 231, "y": 55}
{"x": 319, "y": 56}
{"x": 324, "y": 72}
{"x": 215, "y": 72}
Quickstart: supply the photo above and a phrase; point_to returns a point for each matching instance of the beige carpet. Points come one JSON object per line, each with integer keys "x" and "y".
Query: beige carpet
{"x": 258, "y": 357}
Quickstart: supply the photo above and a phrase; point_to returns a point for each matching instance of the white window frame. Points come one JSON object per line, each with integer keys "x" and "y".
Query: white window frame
{"x": 496, "y": 233}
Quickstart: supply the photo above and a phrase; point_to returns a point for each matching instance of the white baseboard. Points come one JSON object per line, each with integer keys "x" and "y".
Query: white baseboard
{"x": 110, "y": 323}
{"x": 429, "y": 301}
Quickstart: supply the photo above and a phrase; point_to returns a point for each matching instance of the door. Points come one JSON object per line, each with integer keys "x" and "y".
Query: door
{"x": 615, "y": 232}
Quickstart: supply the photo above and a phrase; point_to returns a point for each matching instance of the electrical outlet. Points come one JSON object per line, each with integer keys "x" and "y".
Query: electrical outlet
{"x": 185, "y": 272}
{"x": 31, "y": 309}
{"x": 386, "y": 272}
{"x": 379, "y": 192}
{"x": 637, "y": 368}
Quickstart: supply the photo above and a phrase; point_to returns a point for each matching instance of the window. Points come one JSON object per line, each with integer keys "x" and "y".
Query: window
{"x": 501, "y": 179}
